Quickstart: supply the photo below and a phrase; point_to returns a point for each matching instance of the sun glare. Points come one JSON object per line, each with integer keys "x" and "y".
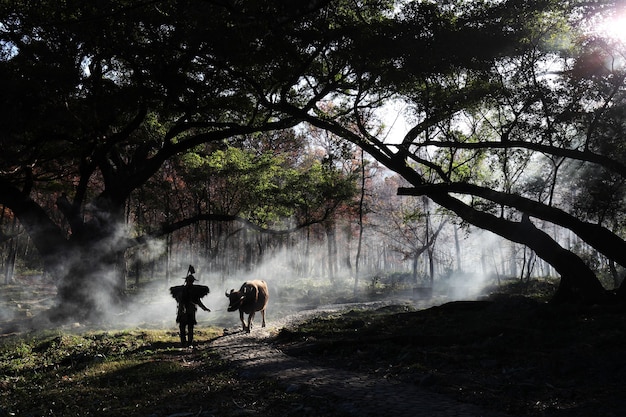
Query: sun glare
{"x": 614, "y": 27}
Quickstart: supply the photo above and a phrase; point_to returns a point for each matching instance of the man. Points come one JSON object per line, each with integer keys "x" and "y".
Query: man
{"x": 188, "y": 297}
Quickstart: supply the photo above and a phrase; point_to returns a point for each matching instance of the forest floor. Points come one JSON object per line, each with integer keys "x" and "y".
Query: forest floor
{"x": 507, "y": 354}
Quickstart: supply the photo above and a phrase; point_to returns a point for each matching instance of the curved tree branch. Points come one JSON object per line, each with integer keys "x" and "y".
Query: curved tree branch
{"x": 46, "y": 235}
{"x": 566, "y": 263}
{"x": 597, "y": 236}
{"x": 585, "y": 156}
{"x": 170, "y": 228}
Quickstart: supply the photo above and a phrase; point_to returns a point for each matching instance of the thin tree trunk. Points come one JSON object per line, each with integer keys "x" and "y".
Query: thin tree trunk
{"x": 521, "y": 275}
{"x": 332, "y": 250}
{"x": 457, "y": 247}
{"x": 431, "y": 266}
{"x": 9, "y": 270}
{"x": 357, "y": 261}
{"x": 614, "y": 274}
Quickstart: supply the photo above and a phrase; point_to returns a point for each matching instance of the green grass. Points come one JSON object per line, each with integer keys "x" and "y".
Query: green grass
{"x": 135, "y": 372}
{"x": 102, "y": 373}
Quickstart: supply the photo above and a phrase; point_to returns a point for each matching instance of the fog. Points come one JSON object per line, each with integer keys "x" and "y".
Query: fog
{"x": 484, "y": 255}
{"x": 291, "y": 292}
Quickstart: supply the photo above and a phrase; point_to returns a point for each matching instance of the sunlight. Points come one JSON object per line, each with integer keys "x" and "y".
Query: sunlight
{"x": 614, "y": 27}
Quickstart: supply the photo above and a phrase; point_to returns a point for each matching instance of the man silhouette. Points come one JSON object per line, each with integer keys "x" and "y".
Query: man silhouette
{"x": 188, "y": 297}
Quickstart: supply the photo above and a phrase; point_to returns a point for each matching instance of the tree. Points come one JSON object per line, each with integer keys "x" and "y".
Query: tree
{"x": 99, "y": 97}
{"x": 564, "y": 116}
{"x": 410, "y": 229}
{"x": 500, "y": 105}
{"x": 268, "y": 188}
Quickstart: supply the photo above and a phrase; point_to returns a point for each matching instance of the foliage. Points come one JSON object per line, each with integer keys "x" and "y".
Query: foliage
{"x": 485, "y": 126}
{"x": 94, "y": 372}
{"x": 127, "y": 104}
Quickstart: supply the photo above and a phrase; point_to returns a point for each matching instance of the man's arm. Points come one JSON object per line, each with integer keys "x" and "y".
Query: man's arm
{"x": 202, "y": 306}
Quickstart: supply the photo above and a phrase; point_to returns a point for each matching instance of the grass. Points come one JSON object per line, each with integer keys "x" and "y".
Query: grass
{"x": 136, "y": 372}
{"x": 100, "y": 373}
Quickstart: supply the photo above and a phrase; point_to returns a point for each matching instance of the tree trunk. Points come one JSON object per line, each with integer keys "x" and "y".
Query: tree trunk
{"x": 360, "y": 221}
{"x": 332, "y": 250}
{"x": 85, "y": 266}
{"x": 92, "y": 280}
{"x": 457, "y": 249}
{"x": 614, "y": 273}
{"x": 431, "y": 266}
{"x": 521, "y": 277}
{"x": 9, "y": 269}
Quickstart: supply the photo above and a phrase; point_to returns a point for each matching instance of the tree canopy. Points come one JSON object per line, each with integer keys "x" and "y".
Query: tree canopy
{"x": 103, "y": 100}
{"x": 545, "y": 104}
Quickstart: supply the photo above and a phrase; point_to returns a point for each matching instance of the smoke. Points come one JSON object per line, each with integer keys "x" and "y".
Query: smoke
{"x": 7, "y": 311}
{"x": 299, "y": 283}
{"x": 22, "y": 301}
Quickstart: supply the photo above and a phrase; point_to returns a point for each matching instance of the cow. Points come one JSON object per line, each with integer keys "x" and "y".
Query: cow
{"x": 251, "y": 297}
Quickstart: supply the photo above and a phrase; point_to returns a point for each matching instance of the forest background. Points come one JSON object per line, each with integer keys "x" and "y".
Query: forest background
{"x": 272, "y": 140}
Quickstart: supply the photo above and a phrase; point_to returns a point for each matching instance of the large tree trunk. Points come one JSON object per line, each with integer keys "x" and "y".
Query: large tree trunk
{"x": 92, "y": 282}
{"x": 83, "y": 265}
{"x": 92, "y": 286}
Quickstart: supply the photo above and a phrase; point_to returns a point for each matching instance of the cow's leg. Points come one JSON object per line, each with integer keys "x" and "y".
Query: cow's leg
{"x": 243, "y": 323}
{"x": 263, "y": 317}
{"x": 250, "y": 319}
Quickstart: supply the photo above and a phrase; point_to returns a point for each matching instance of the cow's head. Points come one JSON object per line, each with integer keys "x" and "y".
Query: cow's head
{"x": 235, "y": 298}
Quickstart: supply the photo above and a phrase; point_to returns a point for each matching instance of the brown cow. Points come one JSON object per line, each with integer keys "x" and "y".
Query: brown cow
{"x": 251, "y": 297}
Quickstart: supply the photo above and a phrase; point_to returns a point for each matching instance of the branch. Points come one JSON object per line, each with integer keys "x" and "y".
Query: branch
{"x": 571, "y": 268}
{"x": 586, "y": 156}
{"x": 153, "y": 164}
{"x": 597, "y": 236}
{"x": 170, "y": 228}
{"x": 6, "y": 237}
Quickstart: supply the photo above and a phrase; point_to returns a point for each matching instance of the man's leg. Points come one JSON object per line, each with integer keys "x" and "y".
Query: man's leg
{"x": 190, "y": 334}
{"x": 183, "y": 339}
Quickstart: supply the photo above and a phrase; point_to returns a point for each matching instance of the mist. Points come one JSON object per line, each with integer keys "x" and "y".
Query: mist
{"x": 292, "y": 291}
{"x": 295, "y": 282}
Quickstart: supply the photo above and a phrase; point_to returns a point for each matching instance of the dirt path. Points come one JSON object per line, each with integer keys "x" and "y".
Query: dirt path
{"x": 346, "y": 392}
